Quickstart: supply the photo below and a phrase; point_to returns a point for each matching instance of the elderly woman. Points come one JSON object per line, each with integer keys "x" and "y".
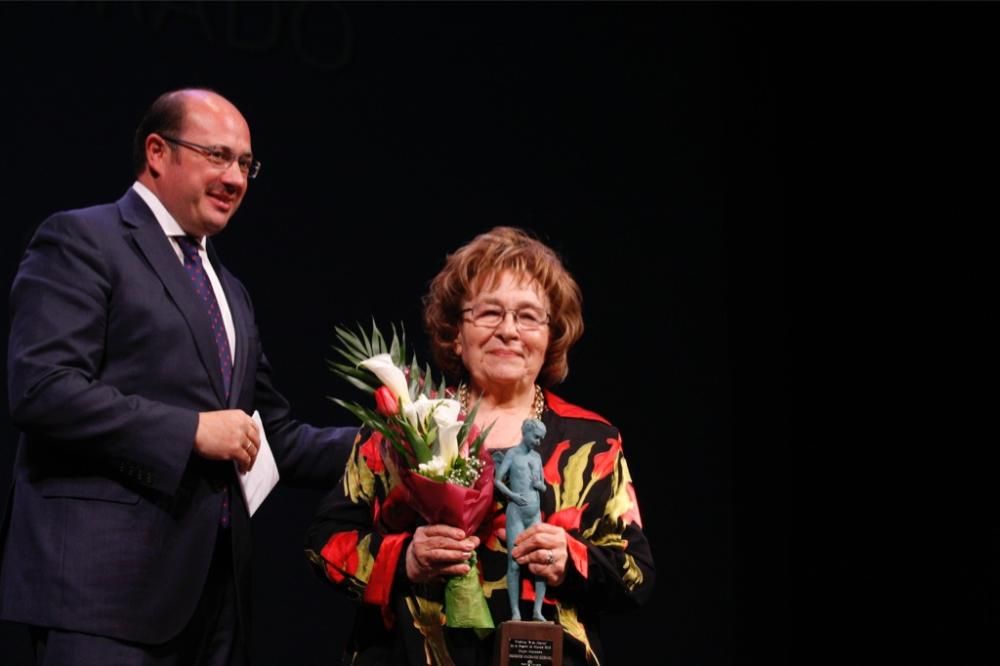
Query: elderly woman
{"x": 501, "y": 315}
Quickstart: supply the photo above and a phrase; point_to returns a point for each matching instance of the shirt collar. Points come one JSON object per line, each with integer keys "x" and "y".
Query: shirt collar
{"x": 166, "y": 221}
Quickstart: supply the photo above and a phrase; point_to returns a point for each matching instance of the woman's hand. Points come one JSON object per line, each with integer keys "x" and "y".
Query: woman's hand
{"x": 437, "y": 551}
{"x": 543, "y": 548}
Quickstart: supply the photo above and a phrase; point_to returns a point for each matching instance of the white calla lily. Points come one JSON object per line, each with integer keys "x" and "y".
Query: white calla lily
{"x": 448, "y": 425}
{"x": 418, "y": 411}
{"x": 447, "y": 442}
{"x": 388, "y": 373}
{"x": 446, "y": 412}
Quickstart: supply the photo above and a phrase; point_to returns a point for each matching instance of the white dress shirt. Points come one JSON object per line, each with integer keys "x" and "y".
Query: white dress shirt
{"x": 173, "y": 230}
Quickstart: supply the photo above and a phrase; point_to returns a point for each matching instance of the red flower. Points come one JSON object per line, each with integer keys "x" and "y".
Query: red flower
{"x": 385, "y": 402}
{"x": 605, "y": 462}
{"x": 341, "y": 555}
{"x": 551, "y": 470}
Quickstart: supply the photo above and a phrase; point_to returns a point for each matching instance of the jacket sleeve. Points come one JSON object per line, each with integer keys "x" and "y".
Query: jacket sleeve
{"x": 306, "y": 455}
{"x": 359, "y": 536}
{"x": 60, "y": 305}
{"x": 611, "y": 565}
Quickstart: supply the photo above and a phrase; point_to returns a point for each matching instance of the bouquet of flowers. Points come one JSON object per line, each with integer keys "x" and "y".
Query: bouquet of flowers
{"x": 441, "y": 459}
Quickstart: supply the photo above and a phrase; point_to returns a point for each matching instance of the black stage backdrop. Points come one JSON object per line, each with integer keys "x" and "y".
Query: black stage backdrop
{"x": 722, "y": 179}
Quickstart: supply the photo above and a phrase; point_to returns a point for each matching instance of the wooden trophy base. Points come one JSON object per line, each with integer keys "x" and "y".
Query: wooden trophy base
{"x": 529, "y": 644}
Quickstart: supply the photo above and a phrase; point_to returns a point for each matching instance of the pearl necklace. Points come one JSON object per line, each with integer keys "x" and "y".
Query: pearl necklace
{"x": 538, "y": 407}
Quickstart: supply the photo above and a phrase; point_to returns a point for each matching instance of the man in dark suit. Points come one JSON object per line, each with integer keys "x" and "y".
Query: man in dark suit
{"x": 134, "y": 365}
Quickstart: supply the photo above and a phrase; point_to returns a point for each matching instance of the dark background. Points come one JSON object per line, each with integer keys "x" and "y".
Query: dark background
{"x": 768, "y": 207}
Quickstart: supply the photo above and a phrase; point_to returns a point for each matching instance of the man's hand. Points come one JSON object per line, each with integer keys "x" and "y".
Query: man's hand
{"x": 227, "y": 434}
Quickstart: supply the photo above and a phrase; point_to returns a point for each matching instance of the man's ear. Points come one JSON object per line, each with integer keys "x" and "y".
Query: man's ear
{"x": 156, "y": 154}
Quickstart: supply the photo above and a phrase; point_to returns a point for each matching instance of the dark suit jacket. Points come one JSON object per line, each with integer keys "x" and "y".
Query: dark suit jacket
{"x": 112, "y": 517}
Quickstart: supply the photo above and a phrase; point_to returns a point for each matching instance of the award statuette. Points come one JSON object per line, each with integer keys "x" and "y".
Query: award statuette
{"x": 536, "y": 643}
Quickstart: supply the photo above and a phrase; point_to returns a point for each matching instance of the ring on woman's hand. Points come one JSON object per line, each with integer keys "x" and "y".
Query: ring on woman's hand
{"x": 550, "y": 559}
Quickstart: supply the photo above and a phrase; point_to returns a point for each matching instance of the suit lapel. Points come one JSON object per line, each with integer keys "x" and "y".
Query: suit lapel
{"x": 155, "y": 246}
{"x": 241, "y": 321}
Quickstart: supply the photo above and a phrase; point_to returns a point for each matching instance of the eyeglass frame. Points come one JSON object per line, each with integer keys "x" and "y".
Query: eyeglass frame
{"x": 503, "y": 317}
{"x": 214, "y": 153}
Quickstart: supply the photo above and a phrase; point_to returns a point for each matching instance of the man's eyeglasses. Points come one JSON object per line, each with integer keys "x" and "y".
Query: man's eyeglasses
{"x": 489, "y": 315}
{"x": 221, "y": 156}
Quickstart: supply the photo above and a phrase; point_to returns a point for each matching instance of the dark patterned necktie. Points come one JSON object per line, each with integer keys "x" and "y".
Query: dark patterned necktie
{"x": 202, "y": 286}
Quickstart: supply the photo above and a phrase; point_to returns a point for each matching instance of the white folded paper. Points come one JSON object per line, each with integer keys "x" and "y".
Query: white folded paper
{"x": 263, "y": 476}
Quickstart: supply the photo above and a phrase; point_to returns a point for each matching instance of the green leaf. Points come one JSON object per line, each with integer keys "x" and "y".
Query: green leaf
{"x": 430, "y": 437}
{"x": 352, "y": 342}
{"x": 394, "y": 349}
{"x": 399, "y": 358}
{"x": 378, "y": 342}
{"x": 428, "y": 383}
{"x": 366, "y": 343}
{"x": 470, "y": 418}
{"x": 420, "y": 450}
{"x": 478, "y": 443}
{"x": 414, "y": 378}
{"x": 354, "y": 371}
{"x": 359, "y": 378}
{"x": 349, "y": 356}
{"x": 366, "y": 416}
{"x": 377, "y": 423}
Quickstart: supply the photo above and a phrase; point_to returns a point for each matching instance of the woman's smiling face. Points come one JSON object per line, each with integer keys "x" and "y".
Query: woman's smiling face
{"x": 505, "y": 356}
